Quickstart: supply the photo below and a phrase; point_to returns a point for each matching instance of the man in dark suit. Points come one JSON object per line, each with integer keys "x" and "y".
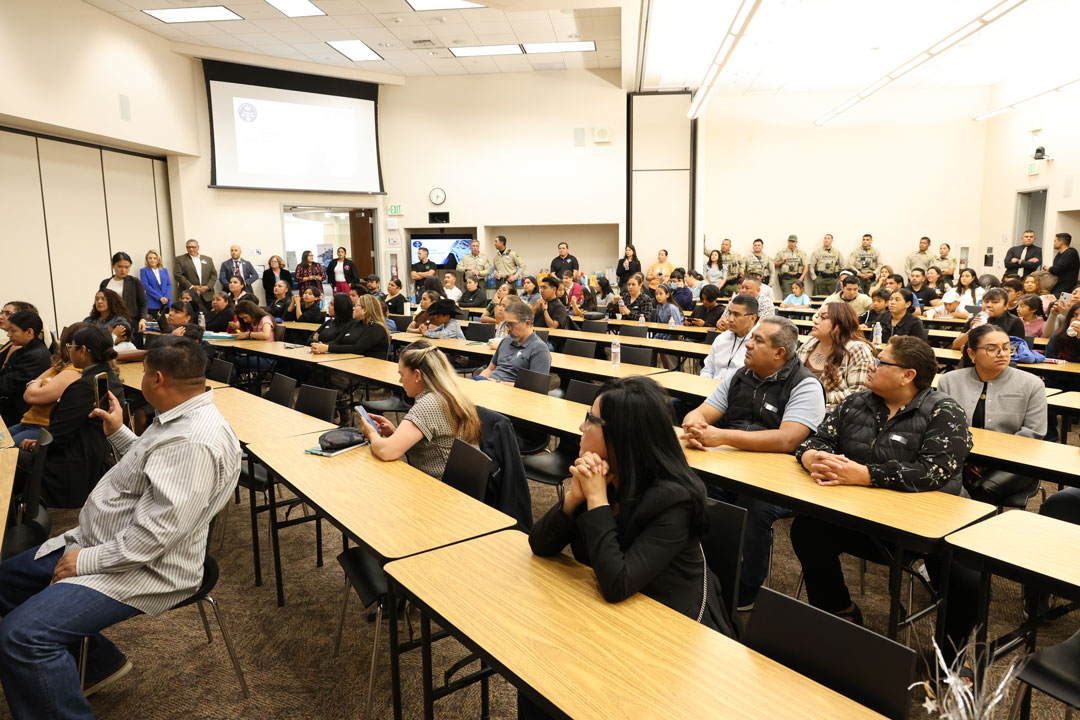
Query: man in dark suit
{"x": 237, "y": 266}
{"x": 1026, "y": 257}
{"x": 1066, "y": 264}
{"x": 196, "y": 272}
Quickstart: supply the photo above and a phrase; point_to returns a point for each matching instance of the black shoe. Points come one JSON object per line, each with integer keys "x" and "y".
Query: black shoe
{"x": 107, "y": 678}
{"x": 854, "y": 615}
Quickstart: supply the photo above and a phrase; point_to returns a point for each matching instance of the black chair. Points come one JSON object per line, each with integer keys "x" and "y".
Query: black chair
{"x": 281, "y": 390}
{"x": 219, "y": 370}
{"x": 402, "y": 321}
{"x": 638, "y": 331}
{"x": 533, "y": 381}
{"x": 543, "y": 334}
{"x": 637, "y": 356}
{"x": 723, "y": 548}
{"x": 596, "y": 326}
{"x": 479, "y": 332}
{"x": 855, "y": 662}
{"x": 32, "y": 523}
{"x": 467, "y": 470}
{"x": 1055, "y": 671}
{"x": 551, "y": 468}
{"x": 316, "y": 402}
{"x": 710, "y": 337}
{"x": 531, "y": 441}
{"x": 580, "y": 348}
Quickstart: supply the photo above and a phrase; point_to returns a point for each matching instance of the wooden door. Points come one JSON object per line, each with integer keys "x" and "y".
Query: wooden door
{"x": 362, "y": 236}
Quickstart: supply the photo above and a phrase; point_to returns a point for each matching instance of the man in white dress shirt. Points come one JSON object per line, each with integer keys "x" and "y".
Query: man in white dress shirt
{"x": 139, "y": 547}
{"x": 728, "y": 351}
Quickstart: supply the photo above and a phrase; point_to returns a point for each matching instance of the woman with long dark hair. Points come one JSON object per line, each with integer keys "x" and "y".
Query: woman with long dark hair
{"x": 627, "y": 266}
{"x": 128, "y": 287}
{"x": 340, "y": 316}
{"x": 29, "y": 359}
{"x": 837, "y": 353}
{"x": 108, "y": 309}
{"x": 367, "y": 334}
{"x": 305, "y": 307}
{"x": 342, "y": 272}
{"x": 238, "y": 291}
{"x": 971, "y": 292}
{"x": 714, "y": 269}
{"x": 901, "y": 319}
{"x": 309, "y": 273}
{"x": 1062, "y": 345}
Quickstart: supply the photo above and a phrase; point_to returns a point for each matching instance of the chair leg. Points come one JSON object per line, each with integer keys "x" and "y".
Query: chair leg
{"x": 374, "y": 660}
{"x": 83, "y": 647}
{"x": 341, "y": 621}
{"x": 205, "y": 622}
{"x": 318, "y": 541}
{"x": 862, "y": 578}
{"x": 222, "y": 524}
{"x": 798, "y": 588}
{"x": 228, "y": 644}
{"x": 910, "y": 607}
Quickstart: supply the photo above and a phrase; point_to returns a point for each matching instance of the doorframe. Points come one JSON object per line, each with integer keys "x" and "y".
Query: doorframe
{"x": 376, "y": 229}
{"x": 1040, "y": 233}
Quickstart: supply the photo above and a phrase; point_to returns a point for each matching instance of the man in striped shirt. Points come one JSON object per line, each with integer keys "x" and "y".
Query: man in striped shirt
{"x": 139, "y": 547}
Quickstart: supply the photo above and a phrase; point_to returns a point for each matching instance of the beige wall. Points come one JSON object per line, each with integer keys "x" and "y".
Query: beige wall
{"x": 595, "y": 246}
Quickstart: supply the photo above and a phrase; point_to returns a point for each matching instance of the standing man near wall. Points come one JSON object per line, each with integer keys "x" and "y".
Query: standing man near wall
{"x": 922, "y": 259}
{"x": 733, "y": 268}
{"x": 1024, "y": 258}
{"x": 791, "y": 264}
{"x": 1066, "y": 264}
{"x": 866, "y": 262}
{"x": 508, "y": 266}
{"x": 946, "y": 264}
{"x": 758, "y": 264}
{"x": 196, "y": 272}
{"x": 564, "y": 261}
{"x": 825, "y": 266}
{"x": 237, "y": 266}
{"x": 474, "y": 263}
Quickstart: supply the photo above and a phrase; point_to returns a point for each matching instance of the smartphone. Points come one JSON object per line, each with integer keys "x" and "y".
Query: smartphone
{"x": 293, "y": 346}
{"x": 101, "y": 391}
{"x": 364, "y": 414}
{"x": 1065, "y": 298}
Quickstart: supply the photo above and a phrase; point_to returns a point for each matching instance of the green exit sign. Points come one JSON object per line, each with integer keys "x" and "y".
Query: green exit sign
{"x": 396, "y": 210}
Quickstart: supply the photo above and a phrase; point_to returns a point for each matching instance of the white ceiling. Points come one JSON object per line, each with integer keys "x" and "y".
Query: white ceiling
{"x": 411, "y": 43}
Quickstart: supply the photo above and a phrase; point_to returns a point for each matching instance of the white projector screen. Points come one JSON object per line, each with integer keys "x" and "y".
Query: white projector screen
{"x": 282, "y": 138}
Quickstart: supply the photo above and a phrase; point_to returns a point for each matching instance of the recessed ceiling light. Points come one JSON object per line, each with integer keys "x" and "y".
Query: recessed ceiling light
{"x": 555, "y": 47}
{"x": 432, "y": 53}
{"x": 574, "y": 36}
{"x": 296, "y": 8}
{"x": 193, "y": 14}
{"x": 386, "y": 45}
{"x": 442, "y": 4}
{"x": 355, "y": 50}
{"x": 477, "y": 50}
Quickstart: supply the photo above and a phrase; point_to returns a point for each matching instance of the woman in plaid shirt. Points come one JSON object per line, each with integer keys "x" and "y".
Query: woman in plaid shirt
{"x": 309, "y": 273}
{"x": 837, "y": 353}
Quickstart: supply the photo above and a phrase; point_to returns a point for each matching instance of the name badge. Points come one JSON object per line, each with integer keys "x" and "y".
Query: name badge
{"x": 769, "y": 407}
{"x": 898, "y": 438}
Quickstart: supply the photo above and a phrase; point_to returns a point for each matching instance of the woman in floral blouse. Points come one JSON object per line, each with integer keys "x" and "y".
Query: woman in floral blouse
{"x": 309, "y": 274}
{"x": 837, "y": 353}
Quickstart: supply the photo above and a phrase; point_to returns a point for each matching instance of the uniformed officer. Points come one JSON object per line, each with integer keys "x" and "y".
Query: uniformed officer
{"x": 758, "y": 264}
{"x": 825, "y": 265}
{"x": 791, "y": 265}
{"x": 732, "y": 263}
{"x": 946, "y": 264}
{"x": 866, "y": 262}
{"x": 922, "y": 259}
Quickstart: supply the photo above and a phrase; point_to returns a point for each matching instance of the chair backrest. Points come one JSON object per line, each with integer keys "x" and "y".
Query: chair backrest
{"x": 32, "y": 489}
{"x": 710, "y": 336}
{"x": 597, "y": 326}
{"x": 219, "y": 370}
{"x": 637, "y": 355}
{"x": 855, "y": 662}
{"x": 640, "y": 331}
{"x": 543, "y": 334}
{"x": 316, "y": 402}
{"x": 479, "y": 332}
{"x": 581, "y": 392}
{"x": 402, "y": 321}
{"x": 581, "y": 348}
{"x": 533, "y": 381}
{"x": 723, "y": 547}
{"x": 281, "y": 390}
{"x": 279, "y": 332}
{"x": 467, "y": 470}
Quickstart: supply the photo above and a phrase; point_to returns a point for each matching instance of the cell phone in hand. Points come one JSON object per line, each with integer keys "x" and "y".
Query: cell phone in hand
{"x": 1065, "y": 298}
{"x": 101, "y": 391}
{"x": 364, "y": 414}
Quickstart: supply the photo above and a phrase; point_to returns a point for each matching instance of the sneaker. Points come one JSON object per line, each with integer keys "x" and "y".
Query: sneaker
{"x": 745, "y": 607}
{"x": 102, "y": 682}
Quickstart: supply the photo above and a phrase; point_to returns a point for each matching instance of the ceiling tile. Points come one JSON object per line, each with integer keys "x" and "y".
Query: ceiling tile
{"x": 296, "y": 36}
{"x": 492, "y": 28}
{"x": 228, "y": 42}
{"x": 460, "y": 35}
{"x": 358, "y": 21}
{"x": 237, "y": 27}
{"x": 252, "y": 11}
{"x": 475, "y": 15}
{"x": 374, "y": 36}
{"x": 396, "y": 55}
{"x": 395, "y": 20}
{"x": 172, "y": 33}
{"x": 607, "y": 45}
{"x": 512, "y": 63}
{"x": 427, "y": 56}
{"x": 574, "y": 61}
{"x": 441, "y": 17}
{"x": 386, "y": 6}
{"x": 410, "y": 32}
{"x": 479, "y": 65}
{"x": 534, "y": 32}
{"x": 341, "y": 7}
{"x": 338, "y": 34}
{"x": 204, "y": 30}
{"x": 528, "y": 16}
{"x": 149, "y": 4}
{"x": 319, "y": 22}
{"x": 547, "y": 62}
{"x": 449, "y": 66}
{"x": 138, "y": 17}
{"x": 418, "y": 70}
{"x": 497, "y": 39}
{"x": 110, "y": 5}
{"x": 261, "y": 38}
{"x": 276, "y": 25}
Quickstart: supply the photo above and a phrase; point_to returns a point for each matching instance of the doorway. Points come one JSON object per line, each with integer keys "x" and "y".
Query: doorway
{"x": 324, "y": 229}
{"x": 1031, "y": 215}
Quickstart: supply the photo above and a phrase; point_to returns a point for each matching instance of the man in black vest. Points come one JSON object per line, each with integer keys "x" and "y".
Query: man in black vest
{"x": 900, "y": 435}
{"x": 770, "y": 405}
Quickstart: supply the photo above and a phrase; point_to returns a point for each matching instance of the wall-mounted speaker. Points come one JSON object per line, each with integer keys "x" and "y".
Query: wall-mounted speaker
{"x": 602, "y": 134}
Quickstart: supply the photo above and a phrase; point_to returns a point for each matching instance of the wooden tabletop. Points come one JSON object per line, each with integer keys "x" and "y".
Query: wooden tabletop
{"x": 279, "y": 349}
{"x": 1026, "y": 541}
{"x": 381, "y": 371}
{"x": 663, "y": 327}
{"x": 1065, "y": 401}
{"x": 8, "y": 456}
{"x": 682, "y": 383}
{"x": 131, "y": 375}
{"x": 391, "y": 507}
{"x": 925, "y": 515}
{"x": 1039, "y": 458}
{"x": 544, "y": 623}
{"x": 293, "y": 325}
{"x": 253, "y": 418}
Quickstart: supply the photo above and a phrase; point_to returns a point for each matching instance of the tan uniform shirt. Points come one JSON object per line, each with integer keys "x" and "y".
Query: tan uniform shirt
{"x": 829, "y": 262}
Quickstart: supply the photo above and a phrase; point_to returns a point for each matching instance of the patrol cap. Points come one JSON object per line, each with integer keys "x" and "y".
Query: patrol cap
{"x": 793, "y": 238}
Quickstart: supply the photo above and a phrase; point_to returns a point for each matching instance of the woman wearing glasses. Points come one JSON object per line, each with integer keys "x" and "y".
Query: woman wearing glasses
{"x": 1000, "y": 398}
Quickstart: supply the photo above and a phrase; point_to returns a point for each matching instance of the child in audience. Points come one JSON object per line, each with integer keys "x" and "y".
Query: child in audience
{"x": 950, "y": 305}
{"x": 1030, "y": 310}
{"x": 879, "y": 308}
{"x": 253, "y": 323}
{"x": 796, "y": 298}
{"x": 666, "y": 310}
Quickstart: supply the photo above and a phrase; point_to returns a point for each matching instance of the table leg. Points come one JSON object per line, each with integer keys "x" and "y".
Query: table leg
{"x": 984, "y": 655}
{"x": 896, "y": 576}
{"x": 943, "y": 592}
{"x": 395, "y": 654}
{"x": 274, "y": 538}
{"x": 429, "y": 683}
{"x": 254, "y": 522}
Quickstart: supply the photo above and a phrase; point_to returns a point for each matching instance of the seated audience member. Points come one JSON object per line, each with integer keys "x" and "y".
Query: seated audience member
{"x": 9, "y": 309}
{"x": 849, "y": 293}
{"x": 395, "y": 301}
{"x": 994, "y": 304}
{"x": 936, "y": 282}
{"x": 896, "y": 282}
{"x": 667, "y": 312}
{"x": 1058, "y": 309}
{"x": 903, "y": 435}
{"x": 356, "y": 290}
{"x": 797, "y": 297}
{"x": 771, "y": 404}
{"x": 368, "y": 333}
{"x": 128, "y": 288}
{"x": 530, "y": 291}
{"x": 728, "y": 351}
{"x": 28, "y": 359}
{"x": 578, "y": 310}
{"x": 504, "y": 290}
{"x": 340, "y": 317}
{"x": 441, "y": 322}
{"x": 879, "y": 309}
{"x": 432, "y": 284}
{"x": 1000, "y": 398}
{"x": 180, "y": 321}
{"x": 950, "y": 306}
{"x": 1015, "y": 288}
{"x": 901, "y": 319}
{"x": 695, "y": 283}
{"x": 108, "y": 310}
{"x": 139, "y": 547}
{"x": 837, "y": 353}
{"x": 77, "y": 455}
{"x": 220, "y": 314}
{"x": 500, "y": 318}
{"x": 252, "y": 322}
{"x": 634, "y": 511}
{"x": 604, "y": 294}
{"x": 520, "y": 349}
{"x": 752, "y": 286}
{"x": 1033, "y": 287}
{"x": 765, "y": 291}
{"x": 420, "y": 319}
{"x": 372, "y": 283}
{"x": 474, "y": 296}
{"x": 571, "y": 288}
{"x": 969, "y": 289}
{"x": 189, "y": 297}
{"x": 42, "y": 393}
{"x": 709, "y": 312}
{"x": 1062, "y": 345}
{"x": 305, "y": 307}
{"x": 450, "y": 287}
{"x": 1029, "y": 309}
{"x": 237, "y": 291}
{"x": 125, "y": 349}
{"x": 634, "y": 303}
{"x": 919, "y": 288}
{"x": 884, "y": 273}
{"x": 440, "y": 413}
{"x": 550, "y": 311}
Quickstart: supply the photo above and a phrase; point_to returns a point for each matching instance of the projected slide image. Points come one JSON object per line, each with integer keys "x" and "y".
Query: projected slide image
{"x": 289, "y": 139}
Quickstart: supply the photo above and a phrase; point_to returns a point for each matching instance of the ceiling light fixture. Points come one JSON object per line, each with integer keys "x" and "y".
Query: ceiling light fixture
{"x": 998, "y": 11}
{"x": 555, "y": 47}
{"x": 479, "y": 50}
{"x": 421, "y": 5}
{"x": 211, "y": 13}
{"x": 355, "y": 50}
{"x": 296, "y": 8}
{"x": 734, "y": 33}
{"x": 1025, "y": 101}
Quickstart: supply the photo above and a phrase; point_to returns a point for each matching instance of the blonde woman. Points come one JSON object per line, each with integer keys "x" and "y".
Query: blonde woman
{"x": 439, "y": 415}
{"x": 155, "y": 280}
{"x": 275, "y": 272}
{"x": 367, "y": 334}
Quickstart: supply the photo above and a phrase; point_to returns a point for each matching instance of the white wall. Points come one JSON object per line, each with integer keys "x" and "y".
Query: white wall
{"x": 595, "y": 246}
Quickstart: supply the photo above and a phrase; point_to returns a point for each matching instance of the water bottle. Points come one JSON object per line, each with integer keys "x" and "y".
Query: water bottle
{"x": 641, "y": 319}
{"x": 1071, "y": 330}
{"x": 616, "y": 351}
{"x": 877, "y": 334}
{"x": 406, "y": 308}
{"x": 671, "y": 322}
{"x": 984, "y": 317}
{"x": 202, "y": 321}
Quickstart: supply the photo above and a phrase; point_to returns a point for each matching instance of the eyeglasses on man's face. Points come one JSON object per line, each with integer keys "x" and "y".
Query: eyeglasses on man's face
{"x": 878, "y": 362}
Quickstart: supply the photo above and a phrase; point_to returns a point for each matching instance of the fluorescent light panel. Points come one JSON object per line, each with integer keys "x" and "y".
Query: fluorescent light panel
{"x": 296, "y": 8}
{"x": 738, "y": 26}
{"x": 479, "y": 50}
{"x": 355, "y": 50}
{"x": 556, "y": 47}
{"x": 1025, "y": 101}
{"x": 211, "y": 13}
{"x": 420, "y": 5}
{"x": 1000, "y": 10}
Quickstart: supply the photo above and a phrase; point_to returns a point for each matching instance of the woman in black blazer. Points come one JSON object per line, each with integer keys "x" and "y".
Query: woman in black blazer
{"x": 221, "y": 313}
{"x": 348, "y": 272}
{"x": 340, "y": 316}
{"x": 28, "y": 358}
{"x": 275, "y": 272}
{"x": 128, "y": 287}
{"x": 627, "y": 266}
{"x": 305, "y": 307}
{"x": 367, "y": 334}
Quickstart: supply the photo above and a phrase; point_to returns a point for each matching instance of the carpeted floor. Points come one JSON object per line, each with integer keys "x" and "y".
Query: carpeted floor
{"x": 287, "y": 653}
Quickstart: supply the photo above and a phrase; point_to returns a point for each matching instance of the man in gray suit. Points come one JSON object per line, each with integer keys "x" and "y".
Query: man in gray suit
{"x": 196, "y": 272}
{"x": 238, "y": 267}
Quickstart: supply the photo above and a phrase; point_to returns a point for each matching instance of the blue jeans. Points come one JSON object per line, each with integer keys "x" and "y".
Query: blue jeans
{"x": 42, "y": 626}
{"x": 20, "y": 432}
{"x": 757, "y": 538}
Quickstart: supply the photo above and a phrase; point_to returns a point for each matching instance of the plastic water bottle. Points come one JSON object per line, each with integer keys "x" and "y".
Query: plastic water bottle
{"x": 1071, "y": 330}
{"x": 641, "y": 319}
{"x": 877, "y": 334}
{"x": 202, "y": 321}
{"x": 616, "y": 351}
{"x": 406, "y": 308}
{"x": 671, "y": 322}
{"x": 984, "y": 317}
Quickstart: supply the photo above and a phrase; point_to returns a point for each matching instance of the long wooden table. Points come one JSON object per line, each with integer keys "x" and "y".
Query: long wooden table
{"x": 8, "y": 457}
{"x": 1055, "y": 462}
{"x": 687, "y": 385}
{"x": 280, "y": 350}
{"x": 131, "y": 375}
{"x": 542, "y": 623}
{"x": 256, "y": 419}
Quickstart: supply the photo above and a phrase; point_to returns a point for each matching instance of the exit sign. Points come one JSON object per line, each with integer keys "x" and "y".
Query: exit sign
{"x": 395, "y": 210}
{"x": 1033, "y": 168}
